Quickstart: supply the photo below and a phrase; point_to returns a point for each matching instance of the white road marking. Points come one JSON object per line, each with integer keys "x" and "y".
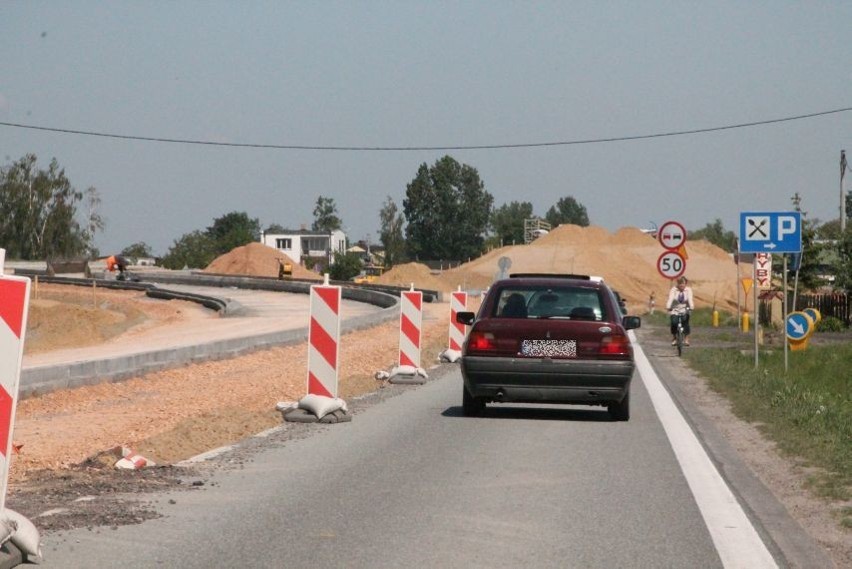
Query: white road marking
{"x": 736, "y": 540}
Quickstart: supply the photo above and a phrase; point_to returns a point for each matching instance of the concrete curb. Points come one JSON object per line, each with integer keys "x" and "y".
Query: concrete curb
{"x": 44, "y": 379}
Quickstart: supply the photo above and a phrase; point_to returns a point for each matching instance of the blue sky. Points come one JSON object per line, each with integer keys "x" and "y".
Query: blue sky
{"x": 401, "y": 74}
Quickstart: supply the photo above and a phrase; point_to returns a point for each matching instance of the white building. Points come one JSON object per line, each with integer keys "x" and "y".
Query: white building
{"x": 301, "y": 243}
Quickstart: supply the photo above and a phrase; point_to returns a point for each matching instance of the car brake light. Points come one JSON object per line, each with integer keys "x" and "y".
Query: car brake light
{"x": 615, "y": 345}
{"x": 481, "y": 341}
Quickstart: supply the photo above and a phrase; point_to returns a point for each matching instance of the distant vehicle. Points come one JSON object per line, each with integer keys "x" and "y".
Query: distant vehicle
{"x": 621, "y": 302}
{"x": 548, "y": 339}
{"x": 369, "y": 274}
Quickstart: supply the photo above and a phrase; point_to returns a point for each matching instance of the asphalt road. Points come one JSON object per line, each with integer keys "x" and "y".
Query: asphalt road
{"x": 410, "y": 482}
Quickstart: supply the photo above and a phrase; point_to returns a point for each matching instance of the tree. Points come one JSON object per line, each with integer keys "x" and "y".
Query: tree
{"x": 325, "y": 215}
{"x": 716, "y": 234}
{"x": 39, "y": 212}
{"x": 137, "y": 250}
{"x": 345, "y": 267}
{"x": 195, "y": 250}
{"x": 567, "y": 210}
{"x": 276, "y": 228}
{"x": 447, "y": 209}
{"x": 507, "y": 221}
{"x": 391, "y": 234}
{"x": 233, "y": 230}
{"x": 843, "y": 277}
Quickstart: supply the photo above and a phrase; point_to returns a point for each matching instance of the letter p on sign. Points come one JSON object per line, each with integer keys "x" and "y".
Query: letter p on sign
{"x": 786, "y": 226}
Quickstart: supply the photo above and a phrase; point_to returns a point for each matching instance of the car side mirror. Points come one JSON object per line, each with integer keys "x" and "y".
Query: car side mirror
{"x": 631, "y": 322}
{"x": 465, "y": 318}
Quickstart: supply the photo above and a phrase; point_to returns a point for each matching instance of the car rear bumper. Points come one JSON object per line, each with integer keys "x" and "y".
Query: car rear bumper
{"x": 525, "y": 380}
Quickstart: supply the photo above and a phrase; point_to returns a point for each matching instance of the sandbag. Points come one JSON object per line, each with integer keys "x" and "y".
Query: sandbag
{"x": 450, "y": 355}
{"x": 321, "y": 406}
{"x": 408, "y": 370}
{"x": 26, "y": 536}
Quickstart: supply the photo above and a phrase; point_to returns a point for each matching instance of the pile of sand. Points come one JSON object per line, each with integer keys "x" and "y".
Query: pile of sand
{"x": 417, "y": 273}
{"x": 256, "y": 260}
{"x": 626, "y": 259}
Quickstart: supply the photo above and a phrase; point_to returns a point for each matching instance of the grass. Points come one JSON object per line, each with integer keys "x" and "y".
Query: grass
{"x": 806, "y": 410}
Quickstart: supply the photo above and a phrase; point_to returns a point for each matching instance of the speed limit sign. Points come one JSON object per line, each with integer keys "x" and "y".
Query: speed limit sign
{"x": 671, "y": 265}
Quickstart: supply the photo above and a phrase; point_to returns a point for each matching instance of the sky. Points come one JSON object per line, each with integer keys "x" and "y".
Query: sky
{"x": 428, "y": 74}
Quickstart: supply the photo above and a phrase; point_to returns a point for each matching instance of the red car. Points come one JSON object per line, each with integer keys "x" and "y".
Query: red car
{"x": 548, "y": 339}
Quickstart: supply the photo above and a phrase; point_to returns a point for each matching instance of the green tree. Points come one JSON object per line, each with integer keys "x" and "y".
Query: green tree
{"x": 716, "y": 234}
{"x": 567, "y": 210}
{"x": 507, "y": 221}
{"x": 194, "y": 250}
{"x": 325, "y": 215}
{"x": 345, "y": 267}
{"x": 843, "y": 270}
{"x": 276, "y": 228}
{"x": 447, "y": 209}
{"x": 828, "y": 230}
{"x": 391, "y": 234}
{"x": 39, "y": 215}
{"x": 137, "y": 250}
{"x": 233, "y": 230}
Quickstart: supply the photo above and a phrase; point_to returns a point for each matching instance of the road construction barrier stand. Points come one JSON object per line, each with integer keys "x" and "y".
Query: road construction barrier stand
{"x": 458, "y": 303}
{"x": 324, "y": 340}
{"x": 410, "y": 327}
{"x": 321, "y": 404}
{"x": 14, "y": 305}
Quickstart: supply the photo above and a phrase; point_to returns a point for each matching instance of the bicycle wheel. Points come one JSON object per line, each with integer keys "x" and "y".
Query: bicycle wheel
{"x": 680, "y": 341}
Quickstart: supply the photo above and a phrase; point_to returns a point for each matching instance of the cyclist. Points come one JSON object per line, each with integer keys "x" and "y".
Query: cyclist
{"x": 679, "y": 303}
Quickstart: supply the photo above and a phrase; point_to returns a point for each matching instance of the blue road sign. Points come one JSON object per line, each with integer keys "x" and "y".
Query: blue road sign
{"x": 771, "y": 232}
{"x": 798, "y": 325}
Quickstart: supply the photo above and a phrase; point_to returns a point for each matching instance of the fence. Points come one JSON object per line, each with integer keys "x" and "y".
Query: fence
{"x": 828, "y": 304}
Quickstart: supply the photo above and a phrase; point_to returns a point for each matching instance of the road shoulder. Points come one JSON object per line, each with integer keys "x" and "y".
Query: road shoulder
{"x": 770, "y": 487}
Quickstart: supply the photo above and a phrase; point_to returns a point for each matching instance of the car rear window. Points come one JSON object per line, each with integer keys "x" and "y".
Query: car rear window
{"x": 575, "y": 303}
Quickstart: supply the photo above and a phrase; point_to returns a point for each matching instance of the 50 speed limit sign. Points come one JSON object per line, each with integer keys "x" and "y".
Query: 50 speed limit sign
{"x": 671, "y": 265}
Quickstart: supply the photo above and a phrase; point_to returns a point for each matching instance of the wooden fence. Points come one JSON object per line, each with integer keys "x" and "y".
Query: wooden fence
{"x": 829, "y": 304}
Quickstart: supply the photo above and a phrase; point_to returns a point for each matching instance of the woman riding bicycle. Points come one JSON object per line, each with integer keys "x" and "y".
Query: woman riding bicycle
{"x": 679, "y": 303}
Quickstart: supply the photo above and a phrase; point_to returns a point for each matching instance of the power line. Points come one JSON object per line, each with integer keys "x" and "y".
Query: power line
{"x": 420, "y": 148}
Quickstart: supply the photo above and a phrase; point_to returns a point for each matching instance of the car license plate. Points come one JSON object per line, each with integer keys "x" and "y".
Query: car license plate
{"x": 549, "y": 348}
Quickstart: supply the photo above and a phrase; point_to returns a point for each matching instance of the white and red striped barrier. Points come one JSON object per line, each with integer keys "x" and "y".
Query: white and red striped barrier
{"x": 458, "y": 303}
{"x": 410, "y": 327}
{"x": 14, "y": 305}
{"x": 324, "y": 340}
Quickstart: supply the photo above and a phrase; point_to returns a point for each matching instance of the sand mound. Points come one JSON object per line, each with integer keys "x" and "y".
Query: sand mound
{"x": 626, "y": 259}
{"x": 417, "y": 273}
{"x": 256, "y": 260}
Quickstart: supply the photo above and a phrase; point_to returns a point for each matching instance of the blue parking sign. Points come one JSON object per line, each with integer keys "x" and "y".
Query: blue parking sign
{"x": 771, "y": 232}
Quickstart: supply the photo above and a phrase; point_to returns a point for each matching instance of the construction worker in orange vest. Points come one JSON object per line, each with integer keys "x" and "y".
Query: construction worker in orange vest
{"x": 119, "y": 262}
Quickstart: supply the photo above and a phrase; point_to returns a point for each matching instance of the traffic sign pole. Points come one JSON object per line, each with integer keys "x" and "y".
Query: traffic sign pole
{"x": 756, "y": 314}
{"x": 784, "y": 310}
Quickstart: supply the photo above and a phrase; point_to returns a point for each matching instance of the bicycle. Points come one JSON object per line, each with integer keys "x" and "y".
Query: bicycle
{"x": 680, "y": 335}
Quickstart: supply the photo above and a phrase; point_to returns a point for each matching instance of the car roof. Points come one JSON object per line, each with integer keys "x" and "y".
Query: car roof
{"x": 554, "y": 279}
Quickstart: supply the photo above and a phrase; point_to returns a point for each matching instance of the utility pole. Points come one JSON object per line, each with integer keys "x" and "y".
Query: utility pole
{"x": 842, "y": 195}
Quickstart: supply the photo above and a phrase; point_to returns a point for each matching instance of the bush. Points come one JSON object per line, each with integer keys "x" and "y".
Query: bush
{"x": 345, "y": 266}
{"x": 831, "y": 324}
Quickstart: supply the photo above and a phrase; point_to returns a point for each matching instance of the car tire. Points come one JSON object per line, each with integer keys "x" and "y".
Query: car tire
{"x": 471, "y": 406}
{"x": 620, "y": 411}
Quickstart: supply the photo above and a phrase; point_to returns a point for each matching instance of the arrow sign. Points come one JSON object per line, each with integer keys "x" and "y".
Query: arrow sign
{"x": 799, "y": 326}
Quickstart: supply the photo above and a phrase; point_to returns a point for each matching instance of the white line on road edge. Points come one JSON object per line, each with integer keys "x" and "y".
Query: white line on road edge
{"x": 736, "y": 540}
